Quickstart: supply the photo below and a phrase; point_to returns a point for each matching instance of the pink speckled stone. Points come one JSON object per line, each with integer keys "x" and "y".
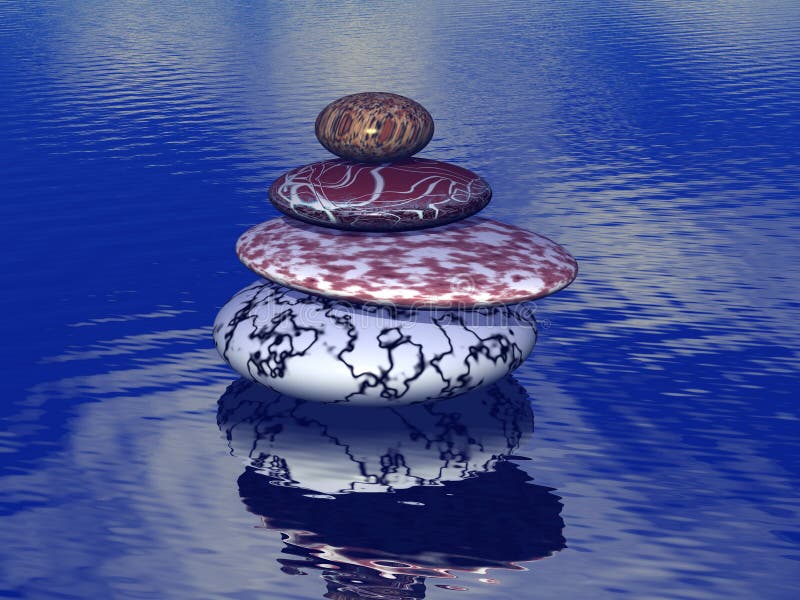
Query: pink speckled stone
{"x": 474, "y": 262}
{"x": 409, "y": 194}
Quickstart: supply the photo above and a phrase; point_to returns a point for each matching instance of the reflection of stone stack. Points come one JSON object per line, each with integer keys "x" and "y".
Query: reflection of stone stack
{"x": 319, "y": 447}
{"x": 445, "y": 491}
{"x": 366, "y": 303}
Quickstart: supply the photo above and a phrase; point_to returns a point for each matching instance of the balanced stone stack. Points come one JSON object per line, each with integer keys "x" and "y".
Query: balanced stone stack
{"x": 380, "y": 286}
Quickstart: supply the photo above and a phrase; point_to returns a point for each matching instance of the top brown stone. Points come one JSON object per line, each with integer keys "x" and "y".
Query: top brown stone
{"x": 374, "y": 127}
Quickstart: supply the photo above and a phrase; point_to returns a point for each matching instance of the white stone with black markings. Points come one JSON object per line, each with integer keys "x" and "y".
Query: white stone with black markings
{"x": 328, "y": 350}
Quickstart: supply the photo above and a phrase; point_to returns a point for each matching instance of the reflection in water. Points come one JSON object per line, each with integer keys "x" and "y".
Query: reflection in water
{"x": 368, "y": 449}
{"x": 445, "y": 495}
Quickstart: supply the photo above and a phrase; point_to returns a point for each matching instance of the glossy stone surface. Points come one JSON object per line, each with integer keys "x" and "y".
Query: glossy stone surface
{"x": 374, "y": 127}
{"x": 326, "y": 350}
{"x": 473, "y": 262}
{"x": 408, "y": 194}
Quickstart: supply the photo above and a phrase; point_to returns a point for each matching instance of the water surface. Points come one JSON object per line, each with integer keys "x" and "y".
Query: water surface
{"x": 656, "y": 141}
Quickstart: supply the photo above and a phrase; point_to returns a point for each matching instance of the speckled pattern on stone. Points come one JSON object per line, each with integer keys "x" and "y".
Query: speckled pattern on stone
{"x": 472, "y": 262}
{"x": 410, "y": 194}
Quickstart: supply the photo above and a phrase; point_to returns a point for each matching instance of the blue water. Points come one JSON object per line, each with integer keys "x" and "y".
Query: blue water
{"x": 657, "y": 141}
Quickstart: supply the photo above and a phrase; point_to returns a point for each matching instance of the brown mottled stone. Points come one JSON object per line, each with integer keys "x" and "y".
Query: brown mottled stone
{"x": 374, "y": 127}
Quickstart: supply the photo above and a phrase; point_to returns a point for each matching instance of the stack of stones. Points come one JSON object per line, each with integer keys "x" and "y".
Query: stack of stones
{"x": 380, "y": 286}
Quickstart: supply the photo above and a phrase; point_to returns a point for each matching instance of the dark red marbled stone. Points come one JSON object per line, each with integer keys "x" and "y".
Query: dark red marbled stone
{"x": 410, "y": 194}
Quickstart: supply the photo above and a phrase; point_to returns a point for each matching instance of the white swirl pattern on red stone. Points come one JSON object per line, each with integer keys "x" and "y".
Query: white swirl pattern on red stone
{"x": 409, "y": 194}
{"x": 326, "y": 350}
{"x": 474, "y": 262}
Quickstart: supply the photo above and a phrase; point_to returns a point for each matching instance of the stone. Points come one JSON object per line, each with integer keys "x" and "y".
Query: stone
{"x": 410, "y": 194}
{"x": 473, "y": 262}
{"x": 321, "y": 349}
{"x": 374, "y": 127}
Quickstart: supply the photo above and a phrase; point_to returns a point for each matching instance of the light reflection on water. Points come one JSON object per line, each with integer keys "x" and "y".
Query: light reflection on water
{"x": 655, "y": 141}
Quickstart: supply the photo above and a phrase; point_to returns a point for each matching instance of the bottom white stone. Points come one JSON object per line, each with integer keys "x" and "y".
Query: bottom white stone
{"x": 328, "y": 350}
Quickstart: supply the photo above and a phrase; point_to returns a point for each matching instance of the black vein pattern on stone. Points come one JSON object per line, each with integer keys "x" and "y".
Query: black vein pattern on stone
{"x": 326, "y": 349}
